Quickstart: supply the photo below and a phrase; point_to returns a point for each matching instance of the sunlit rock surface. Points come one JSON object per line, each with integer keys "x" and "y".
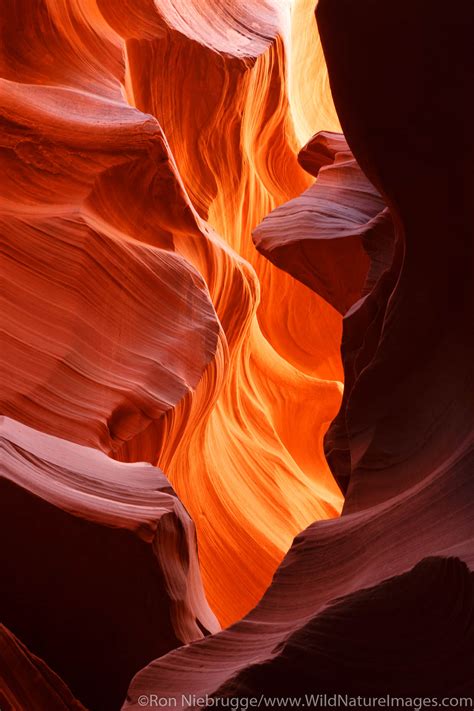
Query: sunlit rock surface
{"x": 189, "y": 246}
{"x": 380, "y": 600}
{"x": 230, "y": 127}
{"x": 142, "y": 144}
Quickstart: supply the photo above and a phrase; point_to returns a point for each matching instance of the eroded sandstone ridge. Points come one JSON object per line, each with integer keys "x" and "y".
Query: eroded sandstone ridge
{"x": 187, "y": 237}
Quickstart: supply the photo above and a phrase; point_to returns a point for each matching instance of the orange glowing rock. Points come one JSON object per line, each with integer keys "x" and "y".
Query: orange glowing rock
{"x": 249, "y": 477}
{"x": 143, "y": 143}
{"x": 380, "y": 600}
{"x": 147, "y": 148}
{"x": 103, "y": 333}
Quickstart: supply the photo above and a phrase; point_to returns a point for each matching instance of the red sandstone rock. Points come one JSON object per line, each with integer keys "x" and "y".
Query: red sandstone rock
{"x": 101, "y": 571}
{"x": 380, "y": 600}
{"x": 325, "y": 236}
{"x": 136, "y": 327}
{"x": 26, "y": 682}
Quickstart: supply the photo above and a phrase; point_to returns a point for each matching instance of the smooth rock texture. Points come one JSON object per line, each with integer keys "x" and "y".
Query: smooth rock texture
{"x": 334, "y": 559}
{"x": 147, "y": 148}
{"x": 249, "y": 479}
{"x": 102, "y": 573}
{"x": 95, "y": 321}
{"x": 140, "y": 148}
{"x": 410, "y": 406}
{"x": 325, "y": 236}
{"x": 380, "y": 600}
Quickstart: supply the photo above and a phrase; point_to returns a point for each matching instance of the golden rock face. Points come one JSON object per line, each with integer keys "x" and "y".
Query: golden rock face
{"x": 236, "y": 352}
{"x": 250, "y": 467}
{"x": 144, "y": 143}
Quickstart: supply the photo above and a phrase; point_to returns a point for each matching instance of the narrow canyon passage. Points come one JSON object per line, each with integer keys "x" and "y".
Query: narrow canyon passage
{"x": 236, "y": 353}
{"x": 163, "y": 179}
{"x": 244, "y": 452}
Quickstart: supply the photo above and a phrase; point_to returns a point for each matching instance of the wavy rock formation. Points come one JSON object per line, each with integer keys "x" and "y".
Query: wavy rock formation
{"x": 128, "y": 210}
{"x": 357, "y": 645}
{"x": 237, "y": 159}
{"x": 380, "y": 600}
{"x": 417, "y": 337}
{"x": 93, "y": 365}
{"x": 142, "y": 144}
{"x": 281, "y": 644}
{"x": 103, "y": 572}
{"x": 228, "y": 123}
{"x": 325, "y": 236}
